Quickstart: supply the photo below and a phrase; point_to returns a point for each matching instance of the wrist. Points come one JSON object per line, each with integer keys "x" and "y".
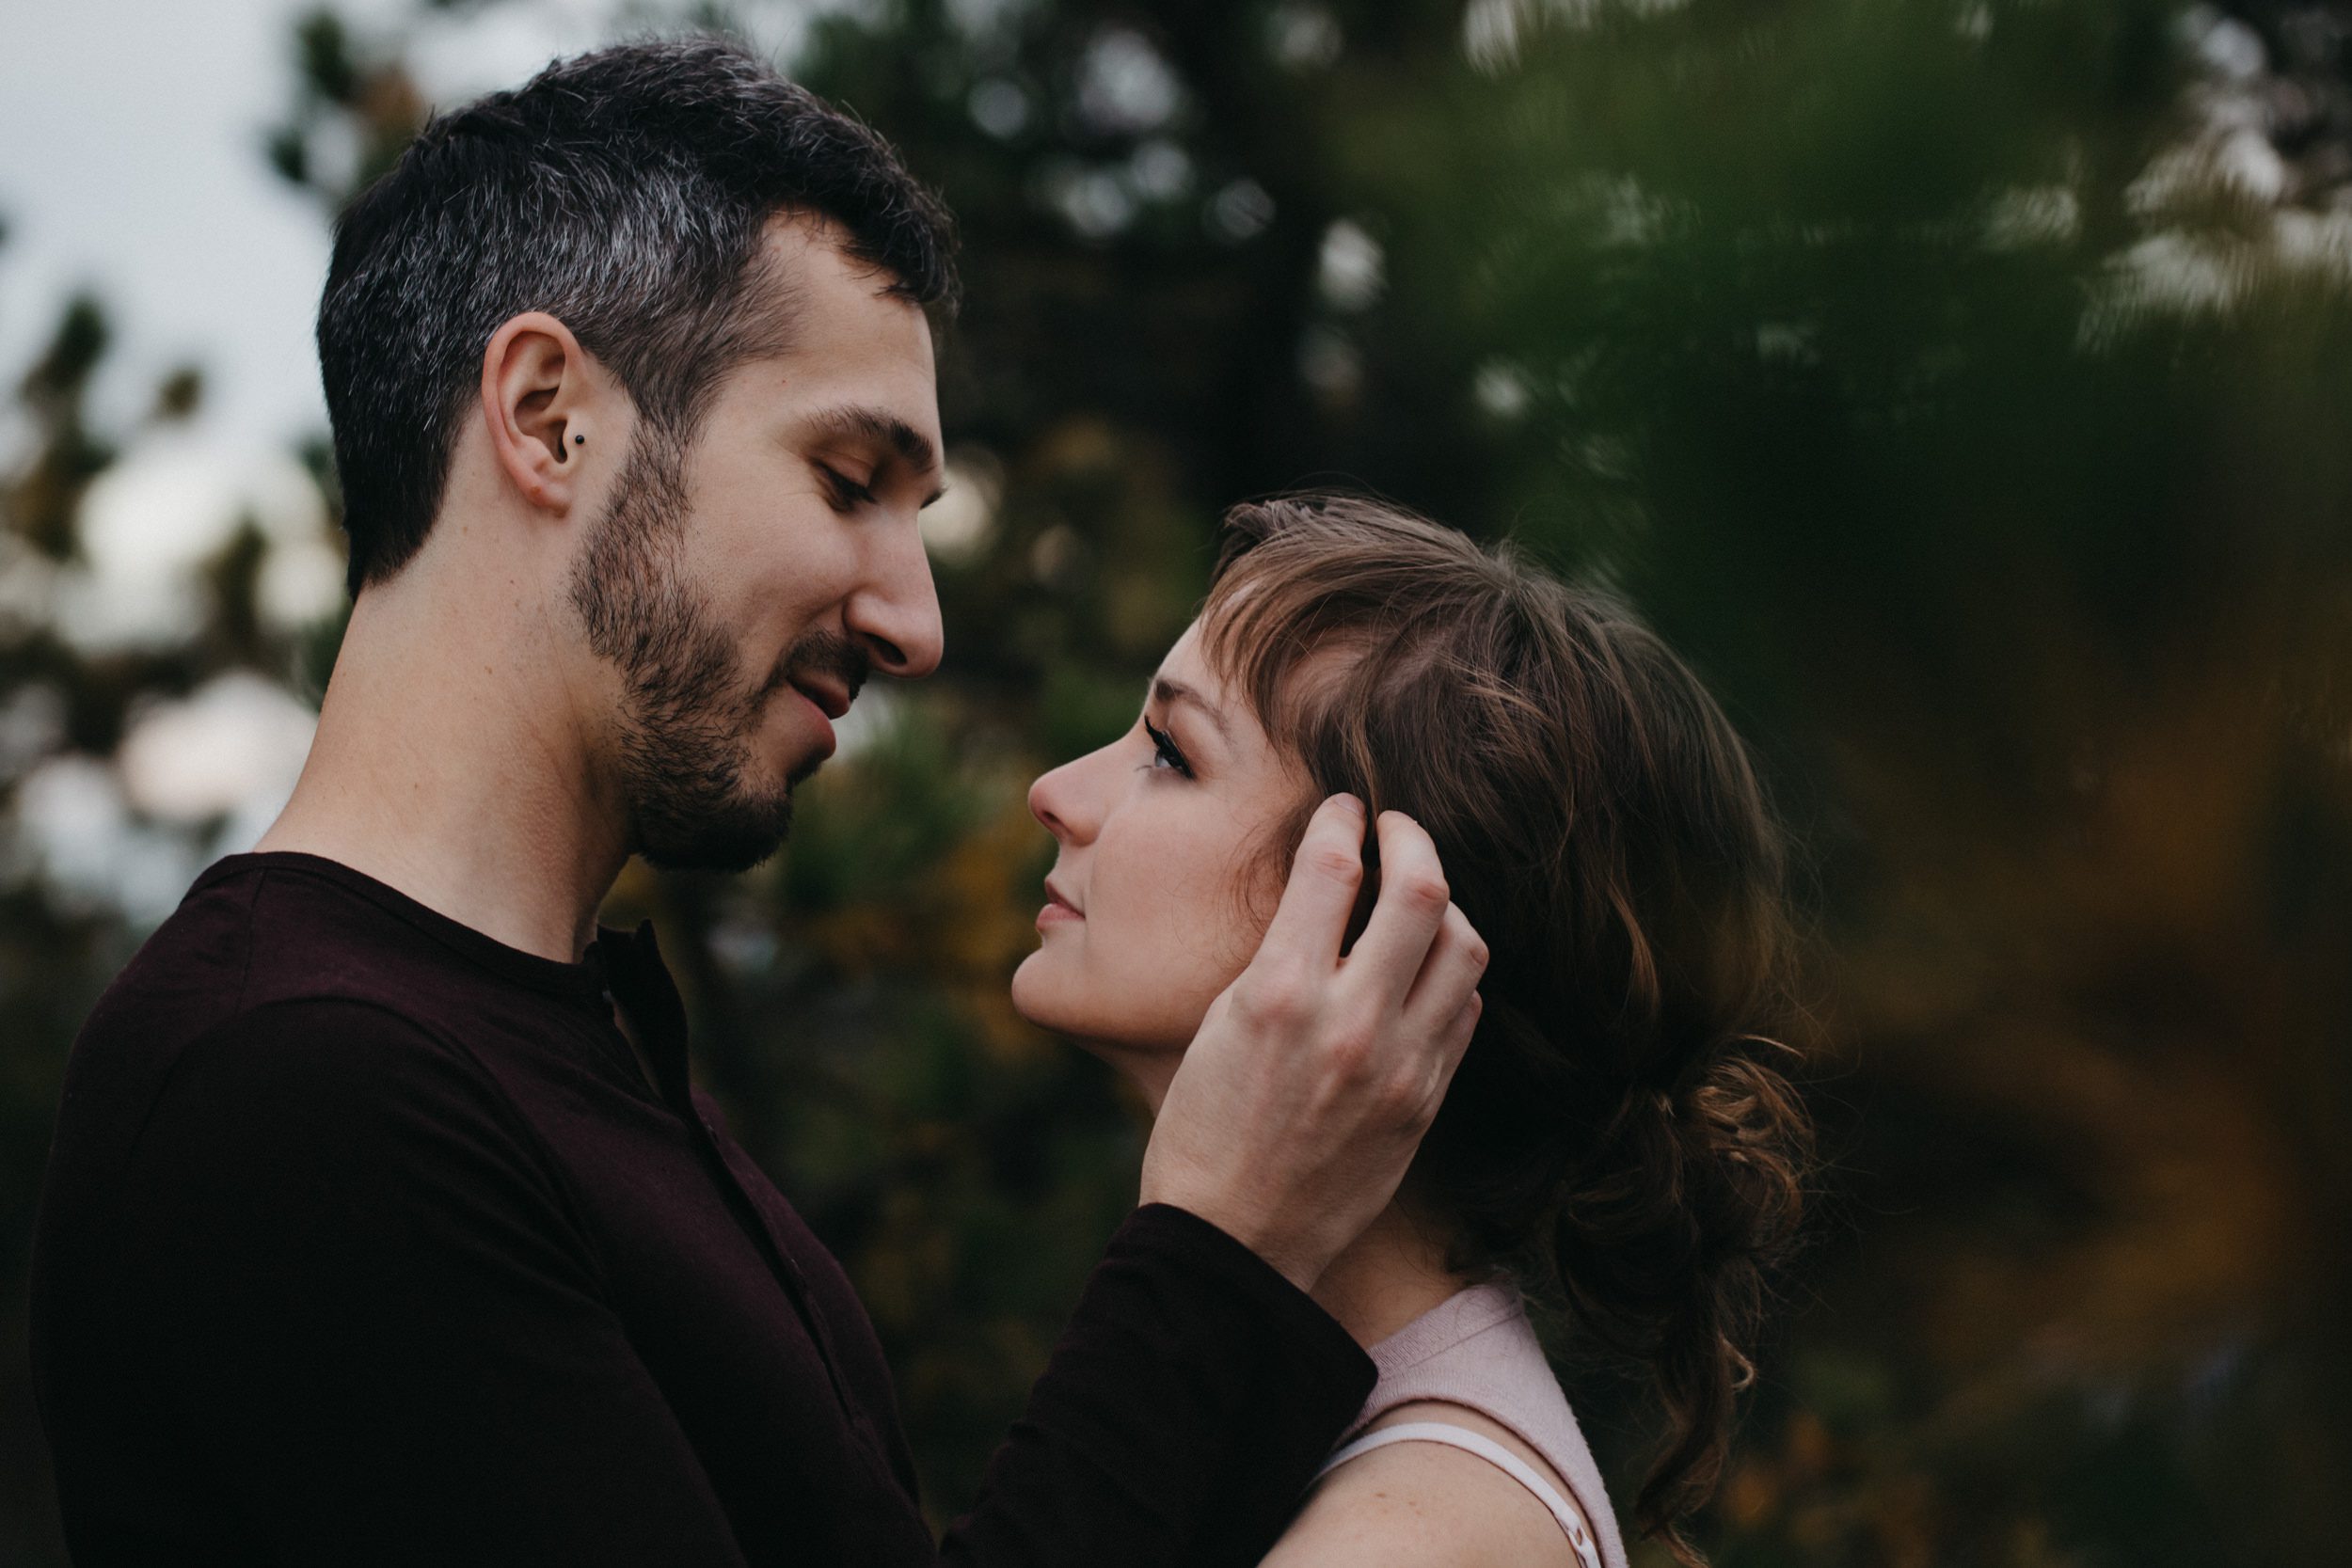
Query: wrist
{"x": 1301, "y": 1265}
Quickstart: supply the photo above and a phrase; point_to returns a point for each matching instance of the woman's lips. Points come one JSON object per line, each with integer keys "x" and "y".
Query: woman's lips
{"x": 1057, "y": 910}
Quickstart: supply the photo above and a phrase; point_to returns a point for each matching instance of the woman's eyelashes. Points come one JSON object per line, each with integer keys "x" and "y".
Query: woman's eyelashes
{"x": 1165, "y": 752}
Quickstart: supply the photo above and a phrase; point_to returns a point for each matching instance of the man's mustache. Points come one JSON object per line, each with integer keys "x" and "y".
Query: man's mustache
{"x": 823, "y": 654}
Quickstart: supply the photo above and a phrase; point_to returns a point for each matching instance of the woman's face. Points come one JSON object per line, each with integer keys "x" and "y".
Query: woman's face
{"x": 1158, "y": 898}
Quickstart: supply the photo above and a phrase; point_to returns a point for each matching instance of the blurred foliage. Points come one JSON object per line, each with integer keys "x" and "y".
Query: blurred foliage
{"x": 1961, "y": 384}
{"x": 1961, "y": 393}
{"x": 58, "y": 946}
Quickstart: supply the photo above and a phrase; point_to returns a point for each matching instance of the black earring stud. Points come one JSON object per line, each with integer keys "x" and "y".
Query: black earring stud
{"x": 579, "y": 440}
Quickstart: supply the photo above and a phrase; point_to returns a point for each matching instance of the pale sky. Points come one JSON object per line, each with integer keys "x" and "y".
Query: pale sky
{"x": 131, "y": 162}
{"x": 131, "y": 165}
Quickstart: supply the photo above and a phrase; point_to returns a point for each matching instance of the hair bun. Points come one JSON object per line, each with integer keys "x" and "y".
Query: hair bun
{"x": 1746, "y": 1137}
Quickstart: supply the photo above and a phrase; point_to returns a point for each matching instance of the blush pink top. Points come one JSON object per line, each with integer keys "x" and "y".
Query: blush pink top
{"x": 1476, "y": 1349}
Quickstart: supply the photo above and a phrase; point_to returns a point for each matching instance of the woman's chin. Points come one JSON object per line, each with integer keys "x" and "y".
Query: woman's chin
{"x": 1070, "y": 1024}
{"x": 1032, "y": 994}
{"x": 1041, "y": 996}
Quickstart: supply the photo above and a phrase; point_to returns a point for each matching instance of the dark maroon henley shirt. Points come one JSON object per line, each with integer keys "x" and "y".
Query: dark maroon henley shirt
{"x": 364, "y": 1241}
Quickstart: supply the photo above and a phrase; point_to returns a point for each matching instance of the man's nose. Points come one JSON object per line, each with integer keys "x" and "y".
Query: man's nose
{"x": 897, "y": 615}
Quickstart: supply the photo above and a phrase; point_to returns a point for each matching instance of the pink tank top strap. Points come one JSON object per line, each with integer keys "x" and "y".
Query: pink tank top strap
{"x": 1478, "y": 1350}
{"x": 1570, "y": 1518}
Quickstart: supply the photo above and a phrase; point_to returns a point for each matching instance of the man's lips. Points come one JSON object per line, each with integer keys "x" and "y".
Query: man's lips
{"x": 827, "y": 698}
{"x": 826, "y": 743}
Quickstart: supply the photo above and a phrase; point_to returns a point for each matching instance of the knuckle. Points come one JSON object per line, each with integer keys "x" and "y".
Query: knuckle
{"x": 1336, "y": 862}
{"x": 1253, "y": 1006}
{"x": 1464, "y": 936}
{"x": 1272, "y": 998}
{"x": 1425, "y": 889}
{"x": 1349, "y": 1052}
{"x": 1405, "y": 1098}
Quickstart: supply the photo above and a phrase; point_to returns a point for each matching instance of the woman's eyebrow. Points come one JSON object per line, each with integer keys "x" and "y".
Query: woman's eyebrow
{"x": 1176, "y": 691}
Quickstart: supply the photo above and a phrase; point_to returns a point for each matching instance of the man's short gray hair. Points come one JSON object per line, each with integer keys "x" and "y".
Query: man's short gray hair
{"x": 624, "y": 192}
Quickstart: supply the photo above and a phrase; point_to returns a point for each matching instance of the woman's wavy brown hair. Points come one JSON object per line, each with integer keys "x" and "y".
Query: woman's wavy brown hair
{"x": 1620, "y": 1136}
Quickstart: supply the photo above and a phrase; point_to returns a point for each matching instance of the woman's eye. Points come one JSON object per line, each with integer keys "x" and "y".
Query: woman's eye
{"x": 1165, "y": 752}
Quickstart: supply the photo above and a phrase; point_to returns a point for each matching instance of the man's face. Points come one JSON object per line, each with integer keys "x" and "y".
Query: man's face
{"x": 744, "y": 587}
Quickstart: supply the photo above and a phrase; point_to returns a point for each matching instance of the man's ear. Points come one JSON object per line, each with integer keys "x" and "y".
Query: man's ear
{"x": 536, "y": 402}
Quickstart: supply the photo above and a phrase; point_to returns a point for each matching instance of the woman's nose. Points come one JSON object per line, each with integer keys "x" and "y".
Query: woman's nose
{"x": 1044, "y": 794}
{"x": 1060, "y": 803}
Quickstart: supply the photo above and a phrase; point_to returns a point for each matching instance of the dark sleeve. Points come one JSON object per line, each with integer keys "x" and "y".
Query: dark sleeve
{"x": 381, "y": 1320}
{"x": 1182, "y": 1417}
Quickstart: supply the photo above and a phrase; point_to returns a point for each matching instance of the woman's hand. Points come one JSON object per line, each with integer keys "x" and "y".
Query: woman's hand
{"x": 1306, "y": 1093}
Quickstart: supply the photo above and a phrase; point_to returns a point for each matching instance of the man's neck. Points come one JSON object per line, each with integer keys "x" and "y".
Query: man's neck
{"x": 449, "y": 764}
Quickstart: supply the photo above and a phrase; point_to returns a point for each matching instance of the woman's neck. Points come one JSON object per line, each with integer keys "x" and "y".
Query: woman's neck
{"x": 1389, "y": 1275}
{"x": 1382, "y": 1280}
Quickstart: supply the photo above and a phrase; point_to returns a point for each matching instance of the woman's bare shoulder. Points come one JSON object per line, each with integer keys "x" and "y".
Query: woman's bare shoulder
{"x": 1425, "y": 1505}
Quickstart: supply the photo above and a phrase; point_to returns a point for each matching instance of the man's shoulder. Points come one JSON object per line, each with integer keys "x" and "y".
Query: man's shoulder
{"x": 273, "y": 993}
{"x": 333, "y": 1070}
{"x": 248, "y": 1109}
{"x": 244, "y": 937}
{"x": 255, "y": 933}
{"x": 334, "y": 1093}
{"x": 317, "y": 1036}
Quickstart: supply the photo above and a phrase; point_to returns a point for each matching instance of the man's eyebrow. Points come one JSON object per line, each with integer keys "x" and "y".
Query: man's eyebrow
{"x": 1176, "y": 691}
{"x": 862, "y": 422}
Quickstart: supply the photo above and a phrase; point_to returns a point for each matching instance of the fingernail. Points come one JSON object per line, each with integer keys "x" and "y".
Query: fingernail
{"x": 1351, "y": 803}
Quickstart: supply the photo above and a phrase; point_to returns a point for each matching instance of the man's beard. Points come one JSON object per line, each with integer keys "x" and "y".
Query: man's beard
{"x": 683, "y": 736}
